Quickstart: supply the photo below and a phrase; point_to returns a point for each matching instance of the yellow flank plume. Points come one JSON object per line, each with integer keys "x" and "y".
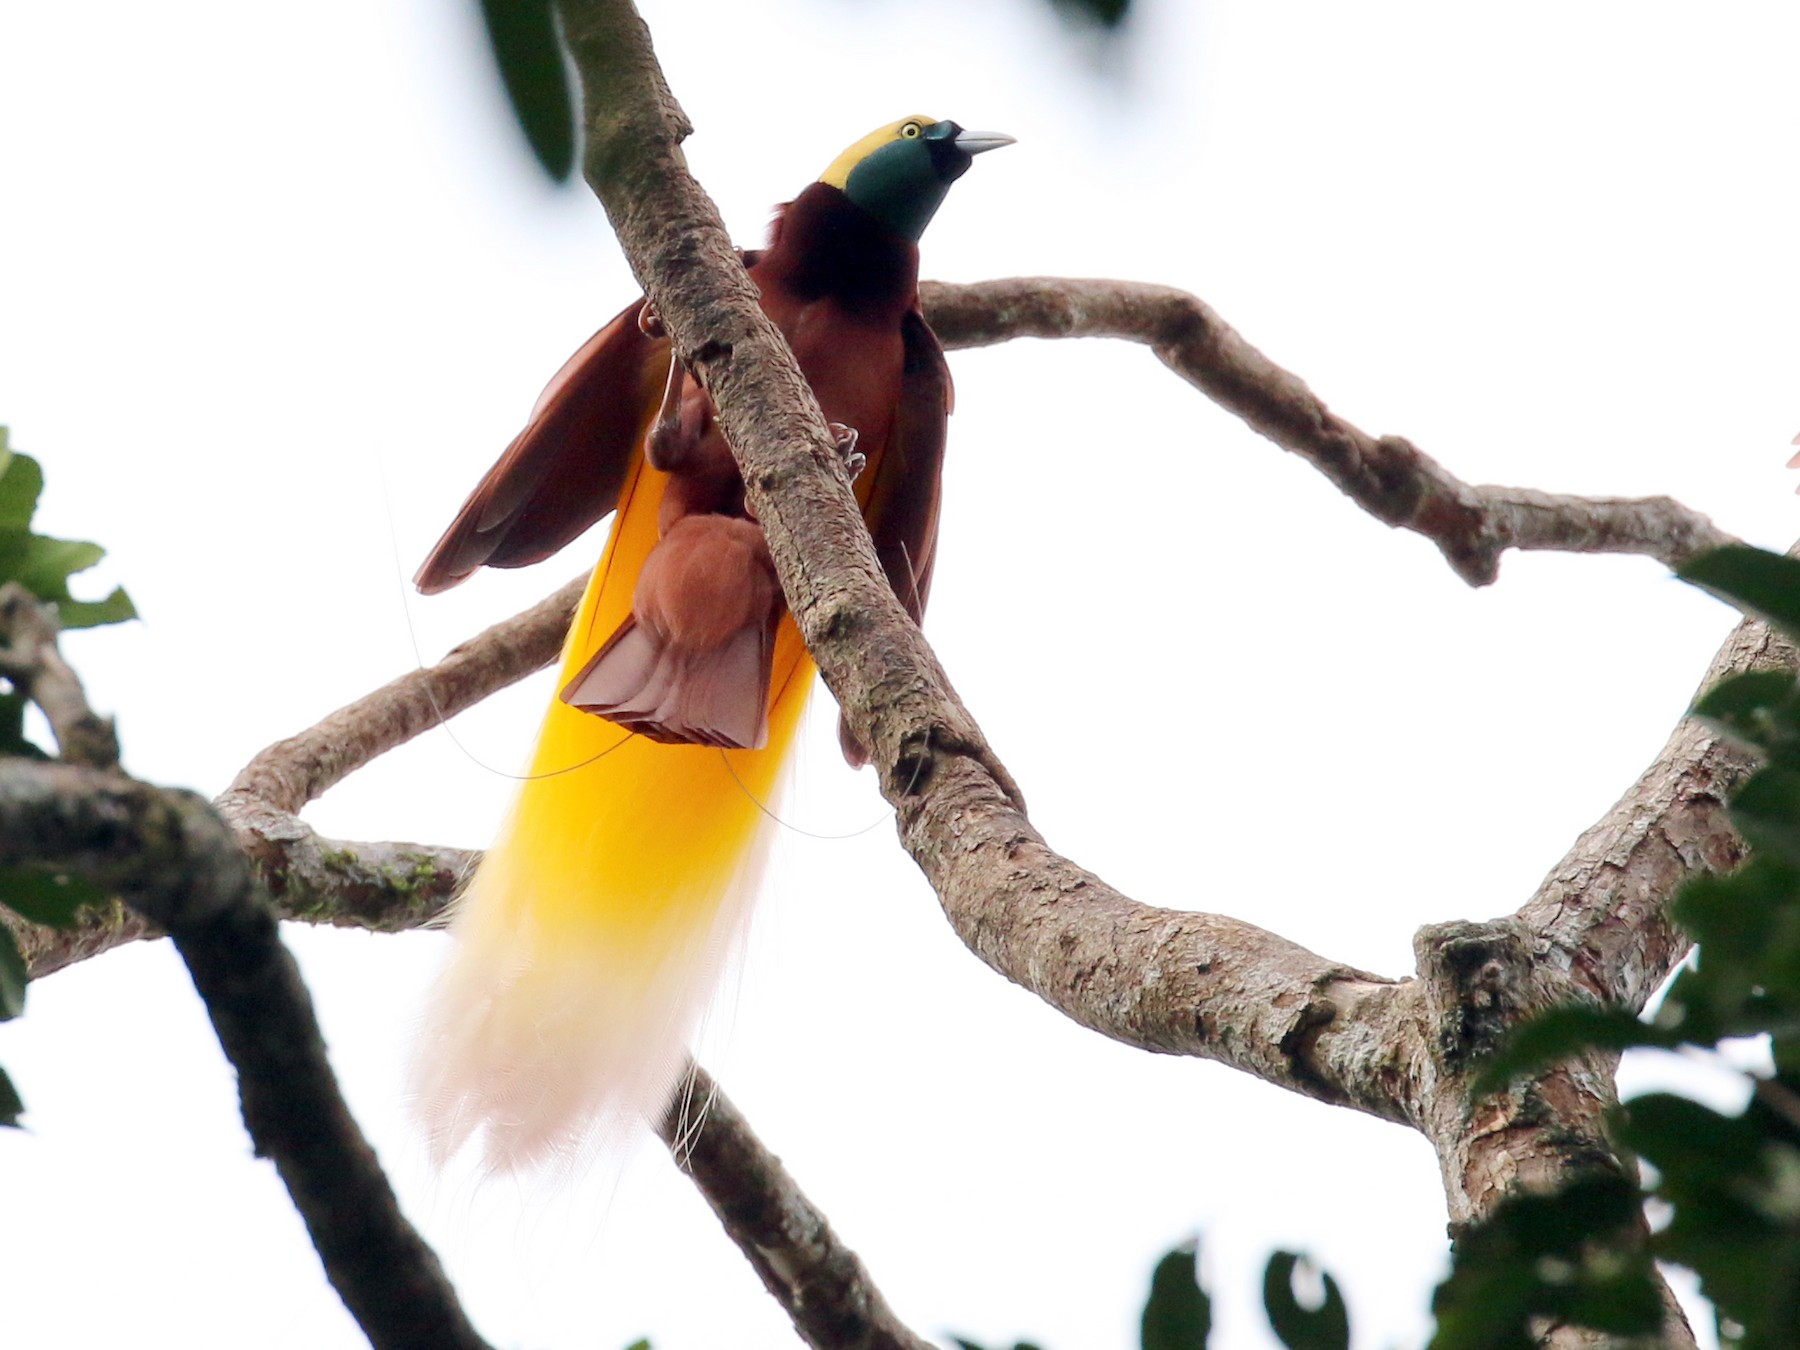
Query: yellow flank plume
{"x": 593, "y": 931}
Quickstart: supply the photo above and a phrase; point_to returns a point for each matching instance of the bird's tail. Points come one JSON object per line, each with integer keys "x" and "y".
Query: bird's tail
{"x": 593, "y": 931}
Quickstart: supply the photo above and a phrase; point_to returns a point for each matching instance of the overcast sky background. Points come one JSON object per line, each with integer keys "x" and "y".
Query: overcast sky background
{"x": 276, "y": 287}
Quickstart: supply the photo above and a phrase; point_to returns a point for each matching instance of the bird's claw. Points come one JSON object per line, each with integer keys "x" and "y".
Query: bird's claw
{"x": 650, "y": 323}
{"x": 843, "y": 438}
{"x": 671, "y": 440}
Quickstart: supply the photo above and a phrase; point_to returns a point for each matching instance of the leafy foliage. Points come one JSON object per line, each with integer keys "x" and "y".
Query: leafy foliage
{"x": 1178, "y": 1314}
{"x": 1107, "y": 15}
{"x": 10, "y": 1105}
{"x": 1326, "y": 1327}
{"x": 1733, "y": 1186}
{"x": 522, "y": 36}
{"x": 49, "y": 898}
{"x": 12, "y": 1002}
{"x": 43, "y": 566}
{"x": 1751, "y": 579}
{"x": 1731, "y": 1183}
{"x": 12, "y": 977}
{"x": 1567, "y": 1257}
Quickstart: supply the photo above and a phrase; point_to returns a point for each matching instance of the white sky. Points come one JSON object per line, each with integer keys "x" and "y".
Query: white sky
{"x": 275, "y": 287}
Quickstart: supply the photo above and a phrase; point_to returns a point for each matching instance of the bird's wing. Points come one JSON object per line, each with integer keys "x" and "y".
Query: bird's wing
{"x": 902, "y": 506}
{"x": 563, "y": 472}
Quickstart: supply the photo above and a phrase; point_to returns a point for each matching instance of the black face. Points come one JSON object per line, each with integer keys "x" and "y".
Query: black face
{"x": 948, "y": 159}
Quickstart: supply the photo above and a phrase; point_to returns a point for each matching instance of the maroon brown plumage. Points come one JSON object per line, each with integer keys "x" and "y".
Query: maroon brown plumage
{"x": 692, "y": 663}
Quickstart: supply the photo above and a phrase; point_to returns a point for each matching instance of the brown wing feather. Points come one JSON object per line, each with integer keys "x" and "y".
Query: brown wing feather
{"x": 563, "y": 472}
{"x": 902, "y": 509}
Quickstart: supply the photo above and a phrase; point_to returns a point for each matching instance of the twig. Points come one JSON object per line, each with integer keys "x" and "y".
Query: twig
{"x": 1387, "y": 476}
{"x": 174, "y": 861}
{"x": 802, "y": 1262}
{"x": 30, "y": 659}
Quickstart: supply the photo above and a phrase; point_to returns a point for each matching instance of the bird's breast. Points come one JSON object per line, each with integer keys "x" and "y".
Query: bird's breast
{"x": 853, "y": 362}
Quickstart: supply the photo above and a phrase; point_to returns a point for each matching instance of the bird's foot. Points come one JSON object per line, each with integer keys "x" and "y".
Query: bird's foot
{"x": 843, "y": 438}
{"x": 650, "y": 323}
{"x": 670, "y": 444}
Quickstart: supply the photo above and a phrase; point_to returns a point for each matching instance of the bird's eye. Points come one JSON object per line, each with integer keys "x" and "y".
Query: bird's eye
{"x": 911, "y": 131}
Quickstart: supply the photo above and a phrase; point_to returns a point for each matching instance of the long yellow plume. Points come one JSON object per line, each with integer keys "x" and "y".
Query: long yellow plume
{"x": 591, "y": 935}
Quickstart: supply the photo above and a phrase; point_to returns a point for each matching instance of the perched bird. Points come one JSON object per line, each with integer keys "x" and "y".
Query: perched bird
{"x": 587, "y": 940}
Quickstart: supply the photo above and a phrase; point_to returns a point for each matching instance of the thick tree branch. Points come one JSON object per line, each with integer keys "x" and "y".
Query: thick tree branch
{"x": 1178, "y": 983}
{"x": 173, "y": 860}
{"x": 1388, "y": 477}
{"x": 1601, "y": 916}
{"x": 802, "y": 1262}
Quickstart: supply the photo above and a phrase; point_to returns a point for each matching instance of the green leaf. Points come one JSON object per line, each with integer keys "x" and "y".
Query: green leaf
{"x": 1558, "y": 1033}
{"x": 1733, "y": 1185}
{"x": 20, "y": 484}
{"x": 47, "y": 564}
{"x": 522, "y": 34}
{"x": 1731, "y": 914}
{"x": 116, "y": 608}
{"x": 41, "y": 564}
{"x": 49, "y": 898}
{"x": 642, "y": 1343}
{"x": 1573, "y": 1256}
{"x": 13, "y": 740}
{"x": 1108, "y": 15}
{"x": 11, "y": 1106}
{"x": 1326, "y": 1327}
{"x": 1747, "y": 976}
{"x": 1178, "y": 1314}
{"x": 1766, "y": 810}
{"x": 1754, "y": 580}
{"x": 1758, "y": 706}
{"x": 12, "y": 976}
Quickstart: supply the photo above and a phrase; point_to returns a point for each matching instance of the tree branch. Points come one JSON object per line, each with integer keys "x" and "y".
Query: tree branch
{"x": 30, "y": 659}
{"x": 386, "y": 887}
{"x": 1388, "y": 477}
{"x": 173, "y": 860}
{"x": 820, "y": 1282}
{"x": 1177, "y": 983}
{"x": 1186, "y": 983}
{"x": 293, "y": 772}
{"x": 803, "y": 1264}
{"x": 1601, "y": 916}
